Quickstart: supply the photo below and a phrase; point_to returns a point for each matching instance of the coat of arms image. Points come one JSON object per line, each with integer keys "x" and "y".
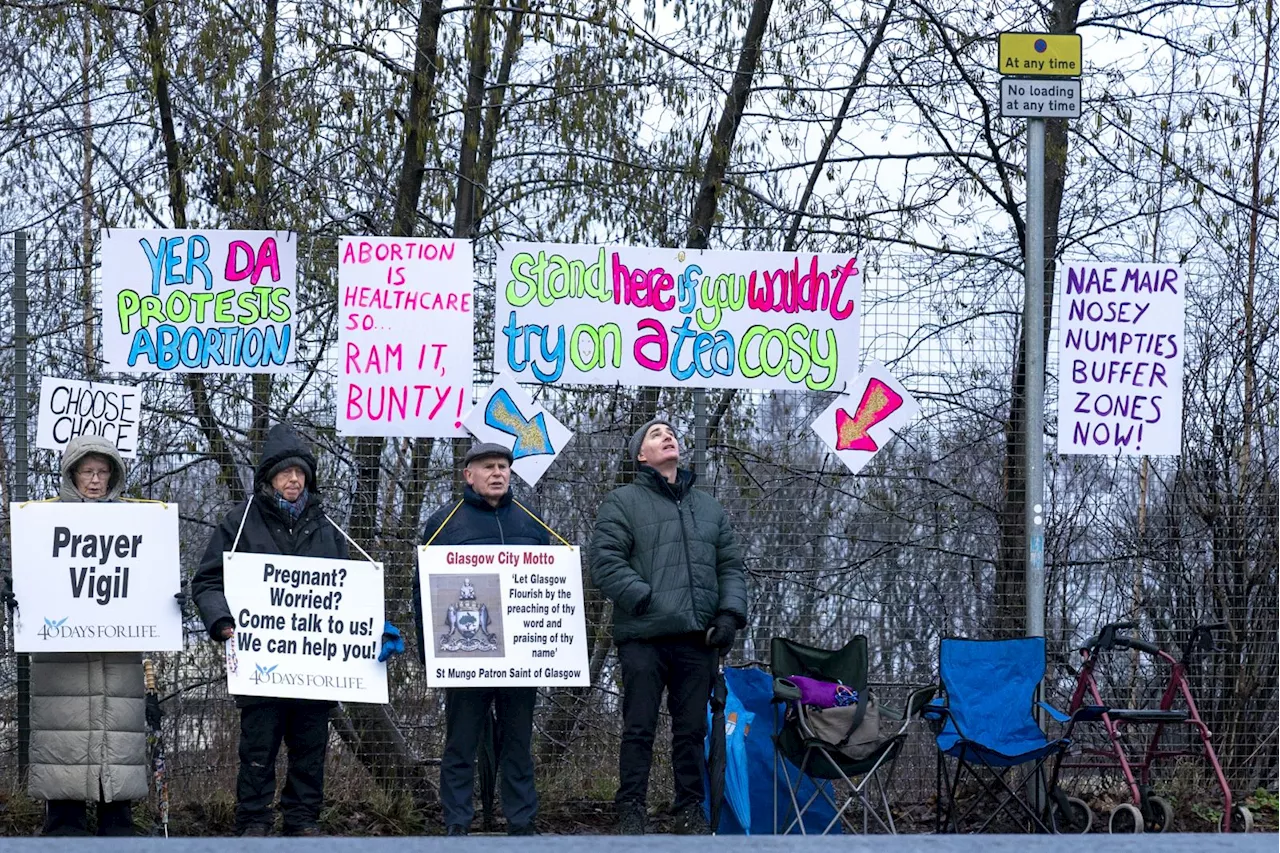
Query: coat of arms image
{"x": 468, "y": 623}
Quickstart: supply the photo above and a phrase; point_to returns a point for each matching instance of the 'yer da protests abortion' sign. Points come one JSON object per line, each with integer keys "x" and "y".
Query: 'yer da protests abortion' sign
{"x": 69, "y": 407}
{"x": 596, "y": 315}
{"x": 178, "y": 301}
{"x": 305, "y": 627}
{"x": 1120, "y": 351}
{"x": 96, "y": 577}
{"x": 503, "y": 616}
{"x": 405, "y": 336}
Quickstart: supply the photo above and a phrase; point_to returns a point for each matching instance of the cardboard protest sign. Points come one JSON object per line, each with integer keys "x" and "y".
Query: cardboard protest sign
{"x": 96, "y": 577}
{"x": 176, "y": 301}
{"x": 593, "y": 315}
{"x": 859, "y": 421}
{"x": 306, "y": 627}
{"x": 405, "y": 336}
{"x": 69, "y": 407}
{"x": 503, "y": 616}
{"x": 507, "y": 415}
{"x": 1120, "y": 352}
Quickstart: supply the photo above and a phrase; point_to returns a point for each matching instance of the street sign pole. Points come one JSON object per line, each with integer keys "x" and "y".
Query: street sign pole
{"x": 1033, "y": 357}
{"x": 1040, "y": 79}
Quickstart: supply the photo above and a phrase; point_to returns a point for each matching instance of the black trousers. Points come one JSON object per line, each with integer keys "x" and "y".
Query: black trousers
{"x": 685, "y": 667}
{"x": 71, "y": 817}
{"x": 303, "y": 726}
{"x": 465, "y": 710}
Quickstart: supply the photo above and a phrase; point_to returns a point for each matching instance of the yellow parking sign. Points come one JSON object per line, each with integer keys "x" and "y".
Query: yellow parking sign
{"x": 1040, "y": 55}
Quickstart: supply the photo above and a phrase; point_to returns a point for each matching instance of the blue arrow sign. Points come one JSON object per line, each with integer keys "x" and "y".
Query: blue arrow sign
{"x": 504, "y": 415}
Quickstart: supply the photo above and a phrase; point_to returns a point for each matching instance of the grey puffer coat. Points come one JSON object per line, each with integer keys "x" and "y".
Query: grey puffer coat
{"x": 667, "y": 557}
{"x": 88, "y": 711}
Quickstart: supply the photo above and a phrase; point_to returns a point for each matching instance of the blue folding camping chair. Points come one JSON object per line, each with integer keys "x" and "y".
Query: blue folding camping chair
{"x": 989, "y": 730}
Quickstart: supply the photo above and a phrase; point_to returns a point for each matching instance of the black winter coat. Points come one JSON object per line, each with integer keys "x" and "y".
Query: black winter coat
{"x": 268, "y": 529}
{"x": 667, "y": 557}
{"x": 476, "y": 523}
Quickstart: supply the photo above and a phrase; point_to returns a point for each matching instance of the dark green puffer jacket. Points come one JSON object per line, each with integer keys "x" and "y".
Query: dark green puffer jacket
{"x": 672, "y": 545}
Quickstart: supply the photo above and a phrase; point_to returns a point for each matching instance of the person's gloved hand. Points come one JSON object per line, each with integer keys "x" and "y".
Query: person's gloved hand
{"x": 392, "y": 642}
{"x": 6, "y": 593}
{"x": 181, "y": 598}
{"x": 153, "y": 711}
{"x": 223, "y": 629}
{"x": 723, "y": 630}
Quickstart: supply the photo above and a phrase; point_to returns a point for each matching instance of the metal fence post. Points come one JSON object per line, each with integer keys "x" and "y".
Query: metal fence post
{"x": 21, "y": 473}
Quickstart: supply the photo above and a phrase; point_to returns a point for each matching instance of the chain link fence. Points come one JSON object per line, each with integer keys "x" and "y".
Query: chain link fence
{"x": 905, "y": 552}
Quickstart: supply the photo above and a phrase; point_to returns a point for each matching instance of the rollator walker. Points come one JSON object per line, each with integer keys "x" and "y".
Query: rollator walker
{"x": 1146, "y": 811}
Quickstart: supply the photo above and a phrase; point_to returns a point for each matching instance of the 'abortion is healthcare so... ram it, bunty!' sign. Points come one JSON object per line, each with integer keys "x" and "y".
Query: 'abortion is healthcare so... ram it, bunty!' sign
{"x": 96, "y": 577}
{"x": 405, "y": 336}
{"x": 1120, "y": 351}
{"x": 198, "y": 301}
{"x": 598, "y": 315}
{"x": 306, "y": 627}
{"x": 503, "y": 616}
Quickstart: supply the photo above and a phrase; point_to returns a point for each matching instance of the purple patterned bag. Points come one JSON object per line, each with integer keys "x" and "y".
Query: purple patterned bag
{"x": 823, "y": 694}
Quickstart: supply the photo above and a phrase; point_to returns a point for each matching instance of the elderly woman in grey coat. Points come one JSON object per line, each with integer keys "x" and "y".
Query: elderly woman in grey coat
{"x": 88, "y": 724}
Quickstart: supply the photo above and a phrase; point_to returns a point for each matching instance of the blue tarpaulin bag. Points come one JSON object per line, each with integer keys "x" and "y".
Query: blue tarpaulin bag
{"x": 753, "y": 688}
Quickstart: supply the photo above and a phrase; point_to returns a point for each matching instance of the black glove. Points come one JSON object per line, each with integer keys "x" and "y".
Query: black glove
{"x": 6, "y": 595}
{"x": 181, "y": 598}
{"x": 723, "y": 630}
{"x": 153, "y": 712}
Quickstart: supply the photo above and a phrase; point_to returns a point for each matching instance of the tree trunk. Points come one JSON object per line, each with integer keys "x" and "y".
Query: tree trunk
{"x": 260, "y": 213}
{"x": 797, "y": 218}
{"x": 368, "y": 450}
{"x": 219, "y": 449}
{"x": 381, "y": 747}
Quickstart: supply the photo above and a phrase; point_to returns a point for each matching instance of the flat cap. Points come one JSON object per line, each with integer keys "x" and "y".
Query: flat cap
{"x": 485, "y": 449}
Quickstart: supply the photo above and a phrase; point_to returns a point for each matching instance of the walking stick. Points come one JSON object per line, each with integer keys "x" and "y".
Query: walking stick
{"x": 155, "y": 742}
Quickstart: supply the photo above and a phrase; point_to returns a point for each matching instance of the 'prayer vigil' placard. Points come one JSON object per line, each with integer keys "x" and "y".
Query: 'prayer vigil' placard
{"x": 177, "y": 301}
{"x": 1120, "y": 351}
{"x": 503, "y": 616}
{"x": 96, "y": 577}
{"x": 596, "y": 315}
{"x": 306, "y": 627}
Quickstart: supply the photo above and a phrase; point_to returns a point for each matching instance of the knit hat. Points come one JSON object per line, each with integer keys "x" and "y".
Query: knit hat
{"x": 637, "y": 438}
{"x": 292, "y": 462}
{"x": 485, "y": 449}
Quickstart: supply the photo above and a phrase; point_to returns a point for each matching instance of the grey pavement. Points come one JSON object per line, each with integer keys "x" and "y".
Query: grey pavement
{"x": 1172, "y": 843}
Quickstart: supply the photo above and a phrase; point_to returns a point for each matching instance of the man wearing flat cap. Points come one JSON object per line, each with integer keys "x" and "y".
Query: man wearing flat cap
{"x": 665, "y": 554}
{"x": 486, "y": 515}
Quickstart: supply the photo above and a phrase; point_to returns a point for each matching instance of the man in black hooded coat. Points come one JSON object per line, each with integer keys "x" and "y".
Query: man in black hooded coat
{"x": 283, "y": 516}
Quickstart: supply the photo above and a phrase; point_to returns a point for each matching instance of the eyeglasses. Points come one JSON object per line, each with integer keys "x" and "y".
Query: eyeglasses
{"x": 94, "y": 474}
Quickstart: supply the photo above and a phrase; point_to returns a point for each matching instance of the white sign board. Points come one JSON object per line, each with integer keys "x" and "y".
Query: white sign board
{"x": 70, "y": 407}
{"x": 1120, "y": 351}
{"x": 859, "y": 421}
{"x": 405, "y": 336}
{"x": 1047, "y": 98}
{"x": 507, "y": 415}
{"x": 192, "y": 301}
{"x": 96, "y": 577}
{"x": 599, "y": 315}
{"x": 503, "y": 616}
{"x": 306, "y": 627}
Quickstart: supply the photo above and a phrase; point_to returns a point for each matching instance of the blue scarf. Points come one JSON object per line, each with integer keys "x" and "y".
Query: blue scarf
{"x": 294, "y": 508}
